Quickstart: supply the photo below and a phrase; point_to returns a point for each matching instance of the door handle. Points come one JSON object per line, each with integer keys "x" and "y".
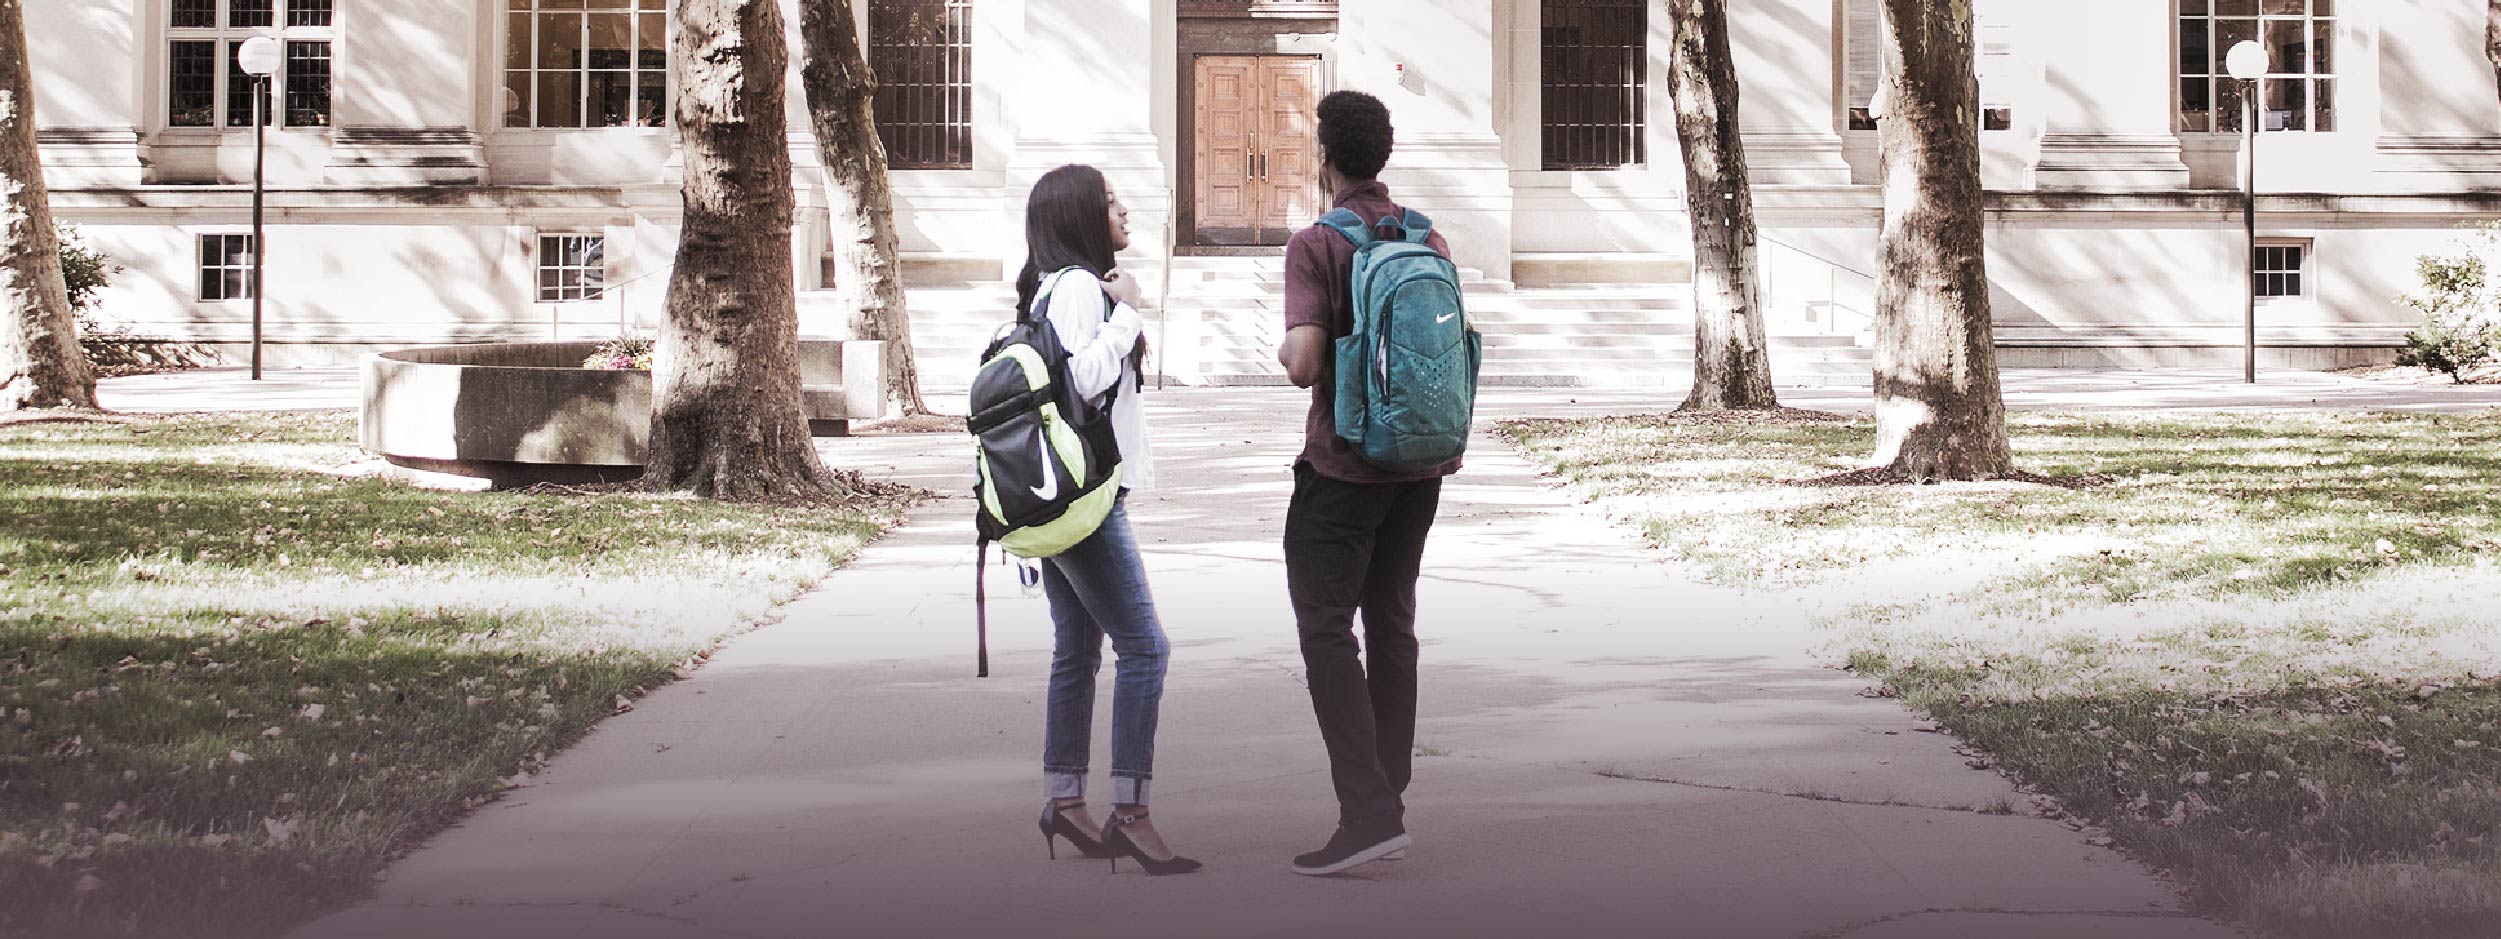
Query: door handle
{"x": 1250, "y": 163}
{"x": 1263, "y": 166}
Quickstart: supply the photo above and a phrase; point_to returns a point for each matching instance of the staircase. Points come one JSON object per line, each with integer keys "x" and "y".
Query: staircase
{"x": 951, "y": 324}
{"x": 1565, "y": 335}
{"x": 1225, "y": 316}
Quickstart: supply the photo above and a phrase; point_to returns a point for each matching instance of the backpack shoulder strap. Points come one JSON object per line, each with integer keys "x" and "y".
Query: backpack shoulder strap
{"x": 1345, "y": 222}
{"x": 1418, "y": 225}
{"x": 981, "y": 608}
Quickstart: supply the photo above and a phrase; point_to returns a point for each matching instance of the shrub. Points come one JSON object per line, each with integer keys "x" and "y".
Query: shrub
{"x": 621, "y": 353}
{"x": 113, "y": 348}
{"x": 2461, "y": 310}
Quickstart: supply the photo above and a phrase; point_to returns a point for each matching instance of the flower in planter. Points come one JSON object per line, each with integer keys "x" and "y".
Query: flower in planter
{"x": 621, "y": 354}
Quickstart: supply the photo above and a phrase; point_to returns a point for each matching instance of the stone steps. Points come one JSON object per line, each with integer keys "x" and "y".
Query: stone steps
{"x": 1227, "y": 316}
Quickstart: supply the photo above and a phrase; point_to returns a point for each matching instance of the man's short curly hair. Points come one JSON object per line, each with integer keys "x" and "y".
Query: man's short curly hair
{"x": 1355, "y": 128}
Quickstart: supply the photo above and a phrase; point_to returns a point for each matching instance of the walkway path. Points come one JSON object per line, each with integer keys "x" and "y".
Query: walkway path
{"x": 1609, "y": 750}
{"x": 230, "y": 389}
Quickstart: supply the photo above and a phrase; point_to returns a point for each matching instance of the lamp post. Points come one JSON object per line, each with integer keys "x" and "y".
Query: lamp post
{"x": 2248, "y": 62}
{"x": 258, "y": 58}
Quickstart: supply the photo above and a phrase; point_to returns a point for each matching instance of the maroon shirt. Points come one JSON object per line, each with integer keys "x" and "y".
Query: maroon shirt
{"x": 1318, "y": 265}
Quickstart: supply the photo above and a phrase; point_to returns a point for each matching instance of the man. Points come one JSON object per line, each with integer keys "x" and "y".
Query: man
{"x": 1354, "y": 536}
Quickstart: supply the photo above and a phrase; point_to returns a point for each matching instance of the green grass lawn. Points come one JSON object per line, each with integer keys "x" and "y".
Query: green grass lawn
{"x": 2264, "y": 653}
{"x": 235, "y": 682}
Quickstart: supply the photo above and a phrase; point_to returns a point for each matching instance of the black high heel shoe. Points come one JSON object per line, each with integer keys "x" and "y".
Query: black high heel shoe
{"x": 1055, "y": 825}
{"x": 1116, "y": 840}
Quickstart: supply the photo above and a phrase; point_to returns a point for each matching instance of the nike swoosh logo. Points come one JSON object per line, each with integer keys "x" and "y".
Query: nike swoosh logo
{"x": 1049, "y": 489}
{"x": 1447, "y": 317}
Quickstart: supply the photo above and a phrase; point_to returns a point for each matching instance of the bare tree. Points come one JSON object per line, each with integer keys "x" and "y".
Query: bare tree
{"x": 726, "y": 419}
{"x": 842, "y": 107}
{"x": 1731, "y": 358}
{"x": 41, "y": 365}
{"x": 1939, "y": 412}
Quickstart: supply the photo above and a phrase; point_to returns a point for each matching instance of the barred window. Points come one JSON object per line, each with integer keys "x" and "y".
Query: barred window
{"x": 922, "y": 54}
{"x": 193, "y": 98}
{"x": 308, "y": 12}
{"x": 1594, "y": 68}
{"x": 572, "y": 267}
{"x": 308, "y": 83}
{"x": 195, "y": 14}
{"x": 206, "y": 84}
{"x": 251, "y": 14}
{"x": 2299, "y": 91}
{"x": 226, "y": 267}
{"x": 586, "y": 63}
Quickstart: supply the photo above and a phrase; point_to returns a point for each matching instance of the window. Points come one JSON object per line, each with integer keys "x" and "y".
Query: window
{"x": 1594, "y": 58}
{"x": 1863, "y": 57}
{"x": 226, "y": 267}
{"x": 2299, "y": 92}
{"x": 586, "y": 63}
{"x": 2280, "y": 269}
{"x": 571, "y": 267}
{"x": 922, "y": 53}
{"x": 207, "y": 86}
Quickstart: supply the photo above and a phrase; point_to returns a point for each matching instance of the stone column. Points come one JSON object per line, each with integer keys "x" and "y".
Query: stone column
{"x": 1084, "y": 94}
{"x": 1788, "y": 112}
{"x": 2107, "y": 99}
{"x": 90, "y": 100}
{"x": 404, "y": 104}
{"x": 2440, "y": 121}
{"x": 1438, "y": 65}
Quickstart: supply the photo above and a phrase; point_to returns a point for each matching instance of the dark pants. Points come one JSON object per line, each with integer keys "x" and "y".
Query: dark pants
{"x": 1350, "y": 547}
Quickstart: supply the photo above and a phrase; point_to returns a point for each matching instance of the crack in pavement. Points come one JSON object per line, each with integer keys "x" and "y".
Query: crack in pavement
{"x": 1846, "y": 929}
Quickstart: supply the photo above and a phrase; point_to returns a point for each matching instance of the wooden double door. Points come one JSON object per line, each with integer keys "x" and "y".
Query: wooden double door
{"x": 1257, "y": 163}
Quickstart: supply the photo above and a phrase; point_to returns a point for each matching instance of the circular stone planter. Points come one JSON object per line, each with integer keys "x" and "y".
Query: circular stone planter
{"x": 512, "y": 413}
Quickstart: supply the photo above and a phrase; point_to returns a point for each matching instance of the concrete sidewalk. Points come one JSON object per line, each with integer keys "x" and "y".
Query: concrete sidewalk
{"x": 1607, "y": 750}
{"x": 231, "y": 389}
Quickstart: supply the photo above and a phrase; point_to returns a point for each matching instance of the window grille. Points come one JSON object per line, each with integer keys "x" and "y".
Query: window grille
{"x": 1594, "y": 68}
{"x": 586, "y": 63}
{"x": 922, "y": 53}
{"x": 2299, "y": 91}
{"x": 226, "y": 267}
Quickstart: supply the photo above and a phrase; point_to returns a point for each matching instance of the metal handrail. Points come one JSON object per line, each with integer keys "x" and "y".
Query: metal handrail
{"x": 1759, "y": 236}
{"x": 607, "y": 293}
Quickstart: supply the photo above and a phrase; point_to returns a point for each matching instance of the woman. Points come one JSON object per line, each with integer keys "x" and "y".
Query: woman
{"x": 1074, "y": 223}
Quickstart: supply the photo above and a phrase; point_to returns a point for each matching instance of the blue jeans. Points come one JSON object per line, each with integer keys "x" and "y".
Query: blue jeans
{"x": 1098, "y": 588}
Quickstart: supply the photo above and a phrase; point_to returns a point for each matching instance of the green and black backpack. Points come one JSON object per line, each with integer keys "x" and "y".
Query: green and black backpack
{"x": 1047, "y": 467}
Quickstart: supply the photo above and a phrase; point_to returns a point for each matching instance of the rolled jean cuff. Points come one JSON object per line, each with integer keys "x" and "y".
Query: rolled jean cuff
{"x": 1129, "y": 790}
{"x": 1064, "y": 785}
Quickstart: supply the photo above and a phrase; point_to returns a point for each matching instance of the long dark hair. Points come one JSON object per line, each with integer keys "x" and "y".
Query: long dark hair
{"x": 1068, "y": 223}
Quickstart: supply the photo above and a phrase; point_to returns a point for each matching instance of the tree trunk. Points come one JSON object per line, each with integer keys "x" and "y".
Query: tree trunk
{"x": 726, "y": 419}
{"x": 41, "y": 365}
{"x": 1939, "y": 413}
{"x": 842, "y": 98}
{"x": 2492, "y": 36}
{"x": 1731, "y": 360}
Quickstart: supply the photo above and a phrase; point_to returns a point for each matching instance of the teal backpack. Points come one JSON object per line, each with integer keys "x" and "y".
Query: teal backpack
{"x": 1406, "y": 376}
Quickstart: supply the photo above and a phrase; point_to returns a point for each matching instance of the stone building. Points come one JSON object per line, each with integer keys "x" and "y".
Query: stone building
{"x": 453, "y": 170}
